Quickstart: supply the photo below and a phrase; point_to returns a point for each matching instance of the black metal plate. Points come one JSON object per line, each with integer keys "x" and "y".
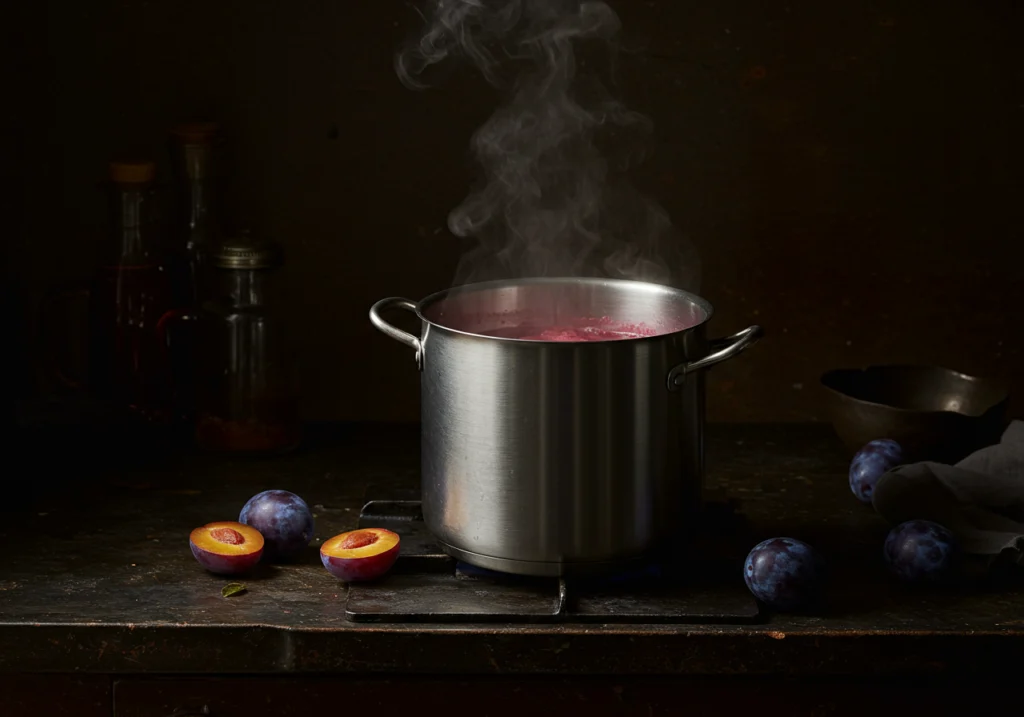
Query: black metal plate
{"x": 442, "y": 597}
{"x": 427, "y": 586}
{"x": 405, "y": 518}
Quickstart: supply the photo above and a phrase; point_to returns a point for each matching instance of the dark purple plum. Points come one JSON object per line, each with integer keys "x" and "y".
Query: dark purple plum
{"x": 784, "y": 573}
{"x": 920, "y": 551}
{"x": 871, "y": 461}
{"x": 283, "y": 519}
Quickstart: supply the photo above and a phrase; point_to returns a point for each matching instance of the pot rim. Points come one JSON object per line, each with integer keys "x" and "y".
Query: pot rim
{"x": 646, "y": 286}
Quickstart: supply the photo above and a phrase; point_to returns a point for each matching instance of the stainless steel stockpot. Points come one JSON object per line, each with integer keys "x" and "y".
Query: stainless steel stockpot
{"x": 549, "y": 458}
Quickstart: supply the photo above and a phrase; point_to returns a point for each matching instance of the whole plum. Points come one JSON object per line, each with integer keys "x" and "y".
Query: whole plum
{"x": 283, "y": 519}
{"x": 920, "y": 551}
{"x": 870, "y": 462}
{"x": 784, "y": 573}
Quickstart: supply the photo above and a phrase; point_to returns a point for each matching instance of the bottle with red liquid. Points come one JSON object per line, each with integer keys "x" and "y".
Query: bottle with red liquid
{"x": 130, "y": 292}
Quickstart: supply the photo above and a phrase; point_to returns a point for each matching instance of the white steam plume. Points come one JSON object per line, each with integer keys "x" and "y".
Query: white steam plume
{"x": 554, "y": 198}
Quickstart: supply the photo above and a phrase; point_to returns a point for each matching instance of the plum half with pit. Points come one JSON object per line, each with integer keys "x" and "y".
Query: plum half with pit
{"x": 283, "y": 518}
{"x": 226, "y": 547}
{"x": 868, "y": 465}
{"x": 360, "y": 555}
{"x": 920, "y": 551}
{"x": 784, "y": 573}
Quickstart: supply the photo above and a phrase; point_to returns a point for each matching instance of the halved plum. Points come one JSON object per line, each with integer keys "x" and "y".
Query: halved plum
{"x": 360, "y": 555}
{"x": 226, "y": 547}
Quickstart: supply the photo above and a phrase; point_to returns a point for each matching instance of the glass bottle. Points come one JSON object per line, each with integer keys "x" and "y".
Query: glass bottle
{"x": 130, "y": 292}
{"x": 196, "y": 230}
{"x": 193, "y": 160}
{"x": 247, "y": 401}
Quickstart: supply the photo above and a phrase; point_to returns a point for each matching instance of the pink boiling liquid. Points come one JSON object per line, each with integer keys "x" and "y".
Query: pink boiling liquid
{"x": 603, "y": 329}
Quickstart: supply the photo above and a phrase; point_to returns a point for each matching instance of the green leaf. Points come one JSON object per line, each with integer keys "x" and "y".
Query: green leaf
{"x": 233, "y": 589}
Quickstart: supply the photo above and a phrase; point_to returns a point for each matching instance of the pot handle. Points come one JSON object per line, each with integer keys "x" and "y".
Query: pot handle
{"x": 397, "y": 334}
{"x": 721, "y": 349}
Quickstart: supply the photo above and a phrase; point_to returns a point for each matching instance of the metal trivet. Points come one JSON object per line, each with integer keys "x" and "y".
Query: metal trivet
{"x": 425, "y": 585}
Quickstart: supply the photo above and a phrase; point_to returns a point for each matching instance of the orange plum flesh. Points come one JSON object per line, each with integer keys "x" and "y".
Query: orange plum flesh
{"x": 360, "y": 555}
{"x": 226, "y": 547}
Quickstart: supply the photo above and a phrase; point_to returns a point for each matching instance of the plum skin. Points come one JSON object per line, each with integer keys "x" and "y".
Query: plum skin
{"x": 784, "y": 573}
{"x": 351, "y": 570}
{"x": 283, "y": 518}
{"x": 371, "y": 558}
{"x": 225, "y": 564}
{"x": 870, "y": 462}
{"x": 920, "y": 551}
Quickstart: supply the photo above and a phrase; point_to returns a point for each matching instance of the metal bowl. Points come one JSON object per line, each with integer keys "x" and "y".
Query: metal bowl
{"x": 935, "y": 413}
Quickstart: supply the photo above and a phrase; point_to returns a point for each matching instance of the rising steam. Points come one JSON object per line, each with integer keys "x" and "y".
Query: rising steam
{"x": 554, "y": 199}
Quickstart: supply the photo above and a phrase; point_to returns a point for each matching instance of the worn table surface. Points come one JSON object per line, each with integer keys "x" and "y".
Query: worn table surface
{"x": 98, "y": 577}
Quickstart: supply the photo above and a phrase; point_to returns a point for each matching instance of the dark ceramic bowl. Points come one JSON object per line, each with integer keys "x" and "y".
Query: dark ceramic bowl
{"x": 936, "y": 414}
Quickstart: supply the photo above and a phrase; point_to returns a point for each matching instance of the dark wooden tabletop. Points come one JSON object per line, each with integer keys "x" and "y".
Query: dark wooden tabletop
{"x": 97, "y": 576}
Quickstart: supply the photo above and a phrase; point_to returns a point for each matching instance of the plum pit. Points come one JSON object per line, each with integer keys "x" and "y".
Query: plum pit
{"x": 227, "y": 535}
{"x": 359, "y": 539}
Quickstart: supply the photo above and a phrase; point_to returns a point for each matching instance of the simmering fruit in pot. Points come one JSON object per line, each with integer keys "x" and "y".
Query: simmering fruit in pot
{"x": 603, "y": 329}
{"x": 586, "y": 333}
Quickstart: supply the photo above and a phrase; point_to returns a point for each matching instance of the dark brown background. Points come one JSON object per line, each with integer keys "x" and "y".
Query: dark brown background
{"x": 849, "y": 171}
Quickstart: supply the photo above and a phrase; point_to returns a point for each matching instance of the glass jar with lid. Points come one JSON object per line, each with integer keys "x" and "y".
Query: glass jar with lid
{"x": 246, "y": 398}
